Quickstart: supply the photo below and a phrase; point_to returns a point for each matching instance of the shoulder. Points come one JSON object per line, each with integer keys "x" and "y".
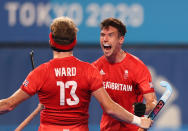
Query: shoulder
{"x": 86, "y": 66}
{"x": 99, "y": 61}
{"x": 40, "y": 70}
{"x": 134, "y": 60}
{"x": 84, "y": 63}
{"x": 89, "y": 70}
{"x": 43, "y": 66}
{"x": 136, "y": 64}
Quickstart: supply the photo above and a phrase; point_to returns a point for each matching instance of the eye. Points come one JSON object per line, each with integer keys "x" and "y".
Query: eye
{"x": 102, "y": 34}
{"x": 111, "y": 34}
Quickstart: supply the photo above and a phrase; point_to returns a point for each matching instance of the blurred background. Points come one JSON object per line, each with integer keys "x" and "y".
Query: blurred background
{"x": 157, "y": 34}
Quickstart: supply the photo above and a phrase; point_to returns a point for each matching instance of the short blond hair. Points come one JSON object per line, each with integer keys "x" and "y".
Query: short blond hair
{"x": 64, "y": 30}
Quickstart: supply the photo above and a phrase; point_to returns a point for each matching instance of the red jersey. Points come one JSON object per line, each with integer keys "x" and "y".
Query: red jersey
{"x": 125, "y": 82}
{"x": 64, "y": 87}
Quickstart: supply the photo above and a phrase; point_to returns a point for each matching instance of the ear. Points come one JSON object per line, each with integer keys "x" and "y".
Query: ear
{"x": 121, "y": 40}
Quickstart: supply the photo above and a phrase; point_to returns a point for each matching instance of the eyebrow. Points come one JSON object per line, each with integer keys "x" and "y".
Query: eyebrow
{"x": 108, "y": 33}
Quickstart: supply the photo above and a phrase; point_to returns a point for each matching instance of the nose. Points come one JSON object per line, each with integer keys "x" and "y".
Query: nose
{"x": 105, "y": 38}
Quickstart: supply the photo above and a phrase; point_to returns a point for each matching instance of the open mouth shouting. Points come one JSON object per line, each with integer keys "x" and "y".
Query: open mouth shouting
{"x": 107, "y": 46}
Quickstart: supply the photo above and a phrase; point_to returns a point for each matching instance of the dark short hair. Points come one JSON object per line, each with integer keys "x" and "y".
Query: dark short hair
{"x": 116, "y": 23}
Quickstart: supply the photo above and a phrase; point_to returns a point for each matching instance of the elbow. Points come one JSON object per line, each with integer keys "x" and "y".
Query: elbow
{"x": 110, "y": 109}
{"x": 109, "y": 112}
{"x": 113, "y": 114}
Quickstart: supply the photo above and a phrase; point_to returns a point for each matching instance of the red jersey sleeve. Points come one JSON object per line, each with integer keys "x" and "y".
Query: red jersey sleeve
{"x": 35, "y": 80}
{"x": 95, "y": 79}
{"x": 144, "y": 80}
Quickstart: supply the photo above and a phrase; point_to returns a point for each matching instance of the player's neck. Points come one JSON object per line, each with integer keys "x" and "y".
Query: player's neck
{"x": 62, "y": 54}
{"x": 117, "y": 58}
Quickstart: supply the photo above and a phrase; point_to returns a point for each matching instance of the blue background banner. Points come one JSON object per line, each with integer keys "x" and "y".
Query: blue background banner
{"x": 153, "y": 21}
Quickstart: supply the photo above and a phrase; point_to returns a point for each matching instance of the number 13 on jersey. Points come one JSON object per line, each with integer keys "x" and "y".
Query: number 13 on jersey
{"x": 63, "y": 86}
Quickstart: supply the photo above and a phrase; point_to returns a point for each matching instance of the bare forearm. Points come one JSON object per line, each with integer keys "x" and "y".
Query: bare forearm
{"x": 150, "y": 106}
{"x": 112, "y": 108}
{"x": 11, "y": 102}
{"x": 119, "y": 113}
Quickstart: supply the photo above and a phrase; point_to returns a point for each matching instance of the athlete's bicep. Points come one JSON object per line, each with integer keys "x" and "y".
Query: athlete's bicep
{"x": 150, "y": 97}
{"x": 18, "y": 97}
{"x": 151, "y": 101}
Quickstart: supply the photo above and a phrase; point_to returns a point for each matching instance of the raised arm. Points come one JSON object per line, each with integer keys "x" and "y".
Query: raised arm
{"x": 11, "y": 102}
{"x": 118, "y": 112}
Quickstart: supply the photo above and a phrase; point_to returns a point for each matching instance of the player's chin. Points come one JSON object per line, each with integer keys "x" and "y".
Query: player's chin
{"x": 107, "y": 53}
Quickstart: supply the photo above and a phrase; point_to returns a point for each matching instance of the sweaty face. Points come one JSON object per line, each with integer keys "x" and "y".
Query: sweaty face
{"x": 110, "y": 41}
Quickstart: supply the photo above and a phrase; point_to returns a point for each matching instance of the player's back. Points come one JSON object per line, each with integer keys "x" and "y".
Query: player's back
{"x": 64, "y": 87}
{"x": 67, "y": 91}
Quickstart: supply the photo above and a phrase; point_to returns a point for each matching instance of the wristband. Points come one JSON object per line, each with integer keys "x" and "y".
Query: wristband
{"x": 136, "y": 120}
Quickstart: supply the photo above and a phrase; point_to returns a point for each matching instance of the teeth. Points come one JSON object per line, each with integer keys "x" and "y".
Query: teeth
{"x": 105, "y": 44}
